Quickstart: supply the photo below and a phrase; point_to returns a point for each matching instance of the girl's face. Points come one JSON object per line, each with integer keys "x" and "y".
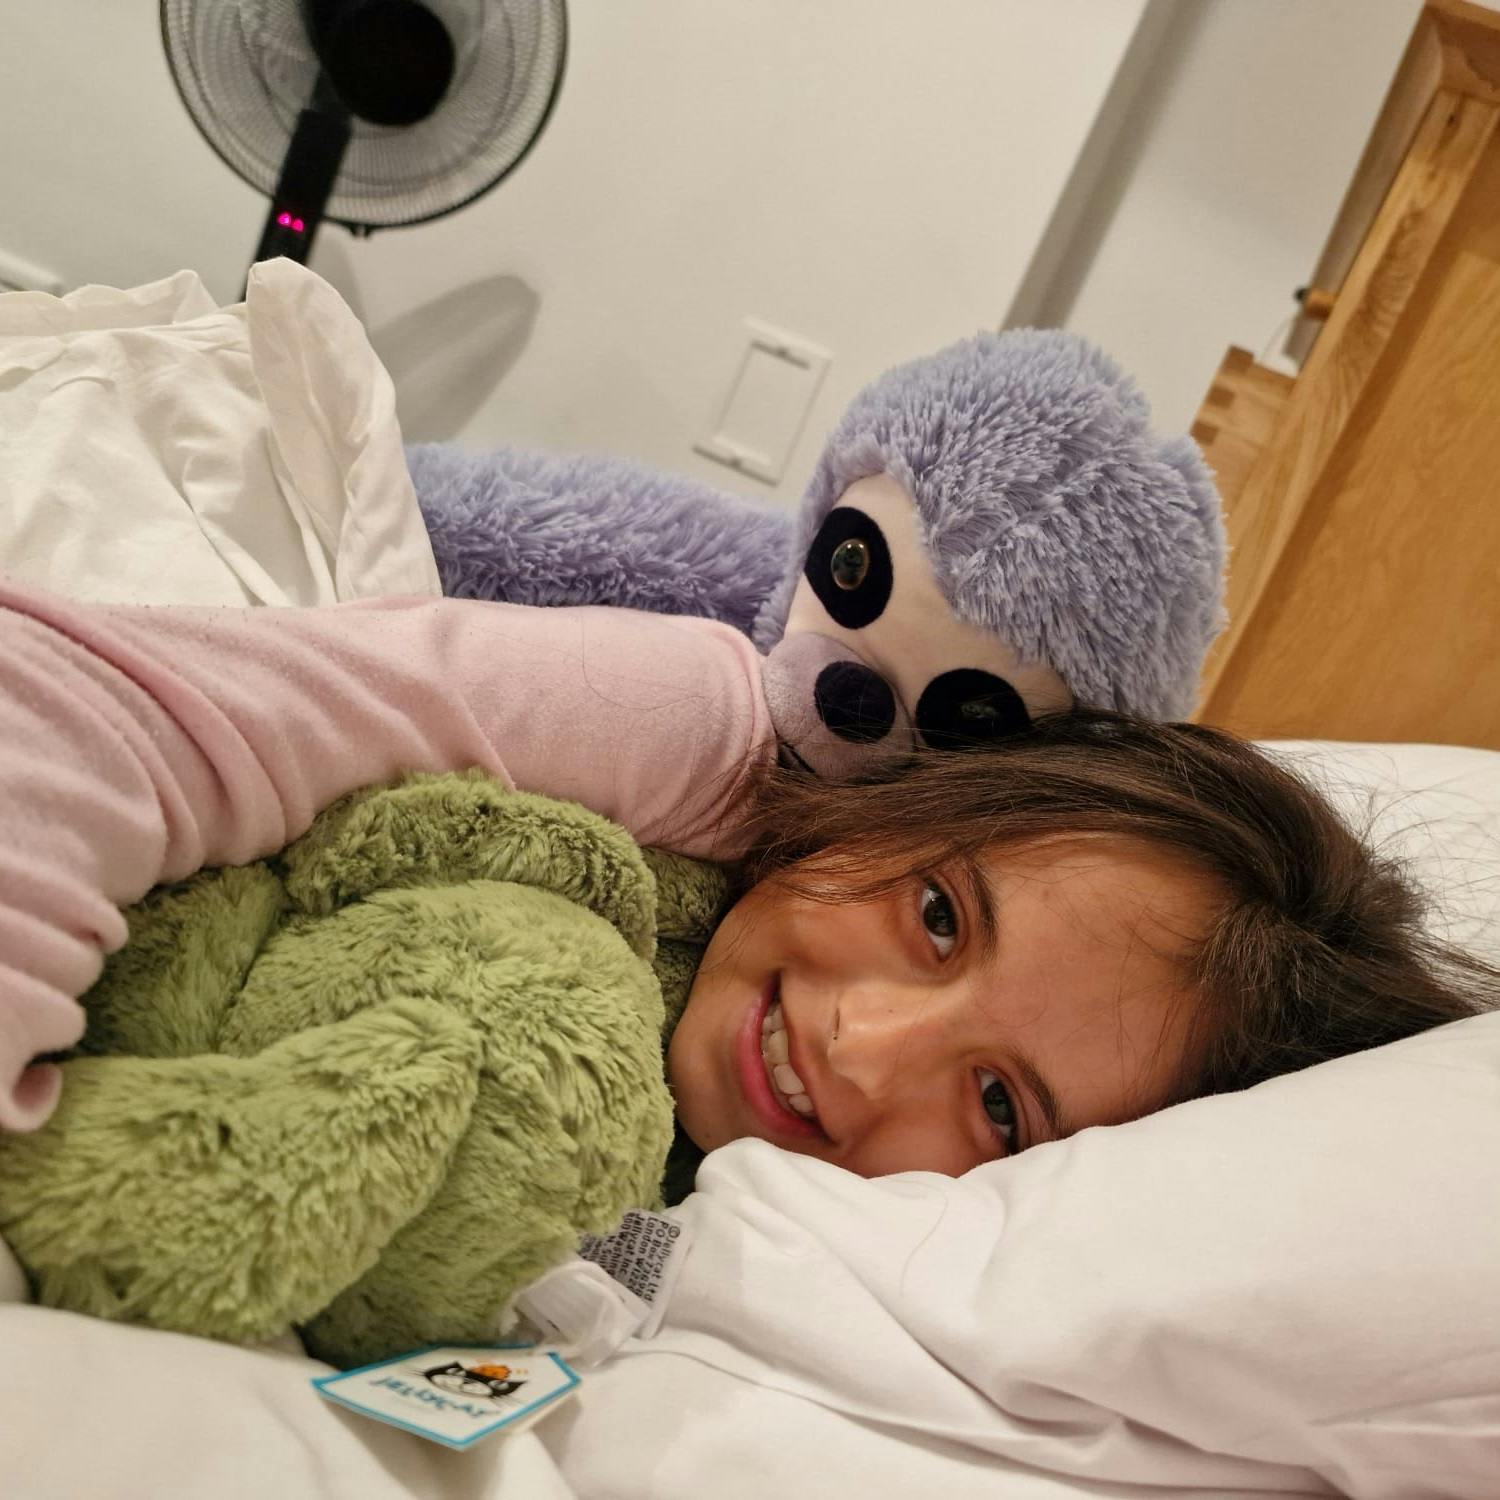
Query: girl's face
{"x": 958, "y": 1018}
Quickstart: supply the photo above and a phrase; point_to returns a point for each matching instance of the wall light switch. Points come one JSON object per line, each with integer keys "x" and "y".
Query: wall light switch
{"x": 767, "y": 404}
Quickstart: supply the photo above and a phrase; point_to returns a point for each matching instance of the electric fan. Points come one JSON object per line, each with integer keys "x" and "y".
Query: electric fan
{"x": 372, "y": 113}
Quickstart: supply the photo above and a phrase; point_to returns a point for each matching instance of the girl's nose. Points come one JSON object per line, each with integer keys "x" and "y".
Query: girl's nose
{"x": 894, "y": 1065}
{"x": 883, "y": 1041}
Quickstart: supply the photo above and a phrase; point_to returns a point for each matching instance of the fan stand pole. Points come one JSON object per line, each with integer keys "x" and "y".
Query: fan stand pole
{"x": 307, "y": 176}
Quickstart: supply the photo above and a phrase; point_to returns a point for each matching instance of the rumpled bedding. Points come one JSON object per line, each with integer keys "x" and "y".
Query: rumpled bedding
{"x": 157, "y": 449}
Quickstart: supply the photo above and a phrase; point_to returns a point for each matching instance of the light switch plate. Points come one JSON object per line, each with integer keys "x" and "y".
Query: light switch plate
{"x": 767, "y": 403}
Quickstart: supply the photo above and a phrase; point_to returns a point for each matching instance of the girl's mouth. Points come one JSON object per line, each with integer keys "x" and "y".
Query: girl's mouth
{"x": 770, "y": 1084}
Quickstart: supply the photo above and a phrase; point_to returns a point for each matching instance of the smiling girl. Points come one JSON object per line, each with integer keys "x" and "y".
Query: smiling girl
{"x": 977, "y": 952}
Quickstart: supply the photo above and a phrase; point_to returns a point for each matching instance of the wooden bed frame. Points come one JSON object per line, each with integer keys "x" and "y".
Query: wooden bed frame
{"x": 1363, "y": 496}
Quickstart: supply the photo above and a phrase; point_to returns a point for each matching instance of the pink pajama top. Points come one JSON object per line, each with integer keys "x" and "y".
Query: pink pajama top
{"x": 138, "y": 745}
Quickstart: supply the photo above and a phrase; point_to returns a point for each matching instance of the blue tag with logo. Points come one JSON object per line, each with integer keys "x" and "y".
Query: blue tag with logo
{"x": 456, "y": 1394}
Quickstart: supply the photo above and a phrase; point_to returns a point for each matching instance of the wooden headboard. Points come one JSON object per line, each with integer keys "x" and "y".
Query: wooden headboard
{"x": 1363, "y": 496}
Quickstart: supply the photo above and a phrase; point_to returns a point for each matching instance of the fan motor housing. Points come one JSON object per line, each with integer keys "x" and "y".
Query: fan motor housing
{"x": 389, "y": 61}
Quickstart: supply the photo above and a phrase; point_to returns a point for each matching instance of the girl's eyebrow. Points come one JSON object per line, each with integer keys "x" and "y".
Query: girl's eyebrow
{"x": 984, "y": 903}
{"x": 1057, "y": 1122}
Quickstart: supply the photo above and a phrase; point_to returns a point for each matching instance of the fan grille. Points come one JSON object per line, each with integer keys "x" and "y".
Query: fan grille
{"x": 246, "y": 70}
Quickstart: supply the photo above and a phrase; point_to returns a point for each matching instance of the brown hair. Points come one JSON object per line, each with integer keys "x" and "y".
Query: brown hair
{"x": 1317, "y": 949}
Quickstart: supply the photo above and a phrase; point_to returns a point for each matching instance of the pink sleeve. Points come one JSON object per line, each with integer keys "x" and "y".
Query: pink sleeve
{"x": 138, "y": 745}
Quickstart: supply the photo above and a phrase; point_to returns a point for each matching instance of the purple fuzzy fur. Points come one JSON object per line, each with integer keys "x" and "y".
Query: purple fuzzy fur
{"x": 1052, "y": 514}
{"x": 535, "y": 528}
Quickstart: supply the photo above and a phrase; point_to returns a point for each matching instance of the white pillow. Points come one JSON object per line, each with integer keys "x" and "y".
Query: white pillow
{"x": 1436, "y": 808}
{"x": 158, "y": 449}
{"x": 1291, "y": 1289}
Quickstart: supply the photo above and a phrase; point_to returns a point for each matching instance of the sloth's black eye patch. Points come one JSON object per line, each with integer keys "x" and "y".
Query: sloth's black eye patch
{"x": 966, "y": 708}
{"x": 849, "y": 568}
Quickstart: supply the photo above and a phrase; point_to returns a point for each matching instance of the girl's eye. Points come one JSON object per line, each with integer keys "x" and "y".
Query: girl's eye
{"x": 939, "y": 918}
{"x": 998, "y": 1106}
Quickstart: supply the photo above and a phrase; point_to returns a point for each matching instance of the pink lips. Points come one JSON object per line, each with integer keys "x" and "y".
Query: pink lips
{"x": 773, "y": 1115}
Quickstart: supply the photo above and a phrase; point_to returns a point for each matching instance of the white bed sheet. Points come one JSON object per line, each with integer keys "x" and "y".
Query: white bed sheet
{"x": 91, "y": 1410}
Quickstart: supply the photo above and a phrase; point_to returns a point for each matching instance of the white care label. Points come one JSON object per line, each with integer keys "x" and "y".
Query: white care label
{"x": 643, "y": 1255}
{"x": 456, "y": 1394}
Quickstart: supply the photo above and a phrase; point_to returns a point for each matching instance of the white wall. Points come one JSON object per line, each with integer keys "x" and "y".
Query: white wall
{"x": 1210, "y": 193}
{"x": 837, "y": 168}
{"x": 875, "y": 175}
{"x": 869, "y": 174}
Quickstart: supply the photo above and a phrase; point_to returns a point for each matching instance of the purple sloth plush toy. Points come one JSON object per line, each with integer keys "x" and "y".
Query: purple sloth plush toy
{"x": 992, "y": 532}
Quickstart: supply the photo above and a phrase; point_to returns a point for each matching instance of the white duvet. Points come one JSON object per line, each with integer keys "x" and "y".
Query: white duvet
{"x": 1290, "y": 1291}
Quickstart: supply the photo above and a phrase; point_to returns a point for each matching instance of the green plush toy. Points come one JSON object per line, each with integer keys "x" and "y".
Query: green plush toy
{"x": 370, "y": 1088}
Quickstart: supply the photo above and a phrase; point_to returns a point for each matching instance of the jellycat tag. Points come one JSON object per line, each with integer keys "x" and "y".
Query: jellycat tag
{"x": 456, "y": 1394}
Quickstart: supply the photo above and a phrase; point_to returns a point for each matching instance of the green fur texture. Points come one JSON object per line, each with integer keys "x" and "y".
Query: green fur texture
{"x": 371, "y": 1088}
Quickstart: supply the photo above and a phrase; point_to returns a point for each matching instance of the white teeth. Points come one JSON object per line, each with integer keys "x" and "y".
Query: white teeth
{"x": 786, "y": 1080}
{"x": 776, "y": 1054}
